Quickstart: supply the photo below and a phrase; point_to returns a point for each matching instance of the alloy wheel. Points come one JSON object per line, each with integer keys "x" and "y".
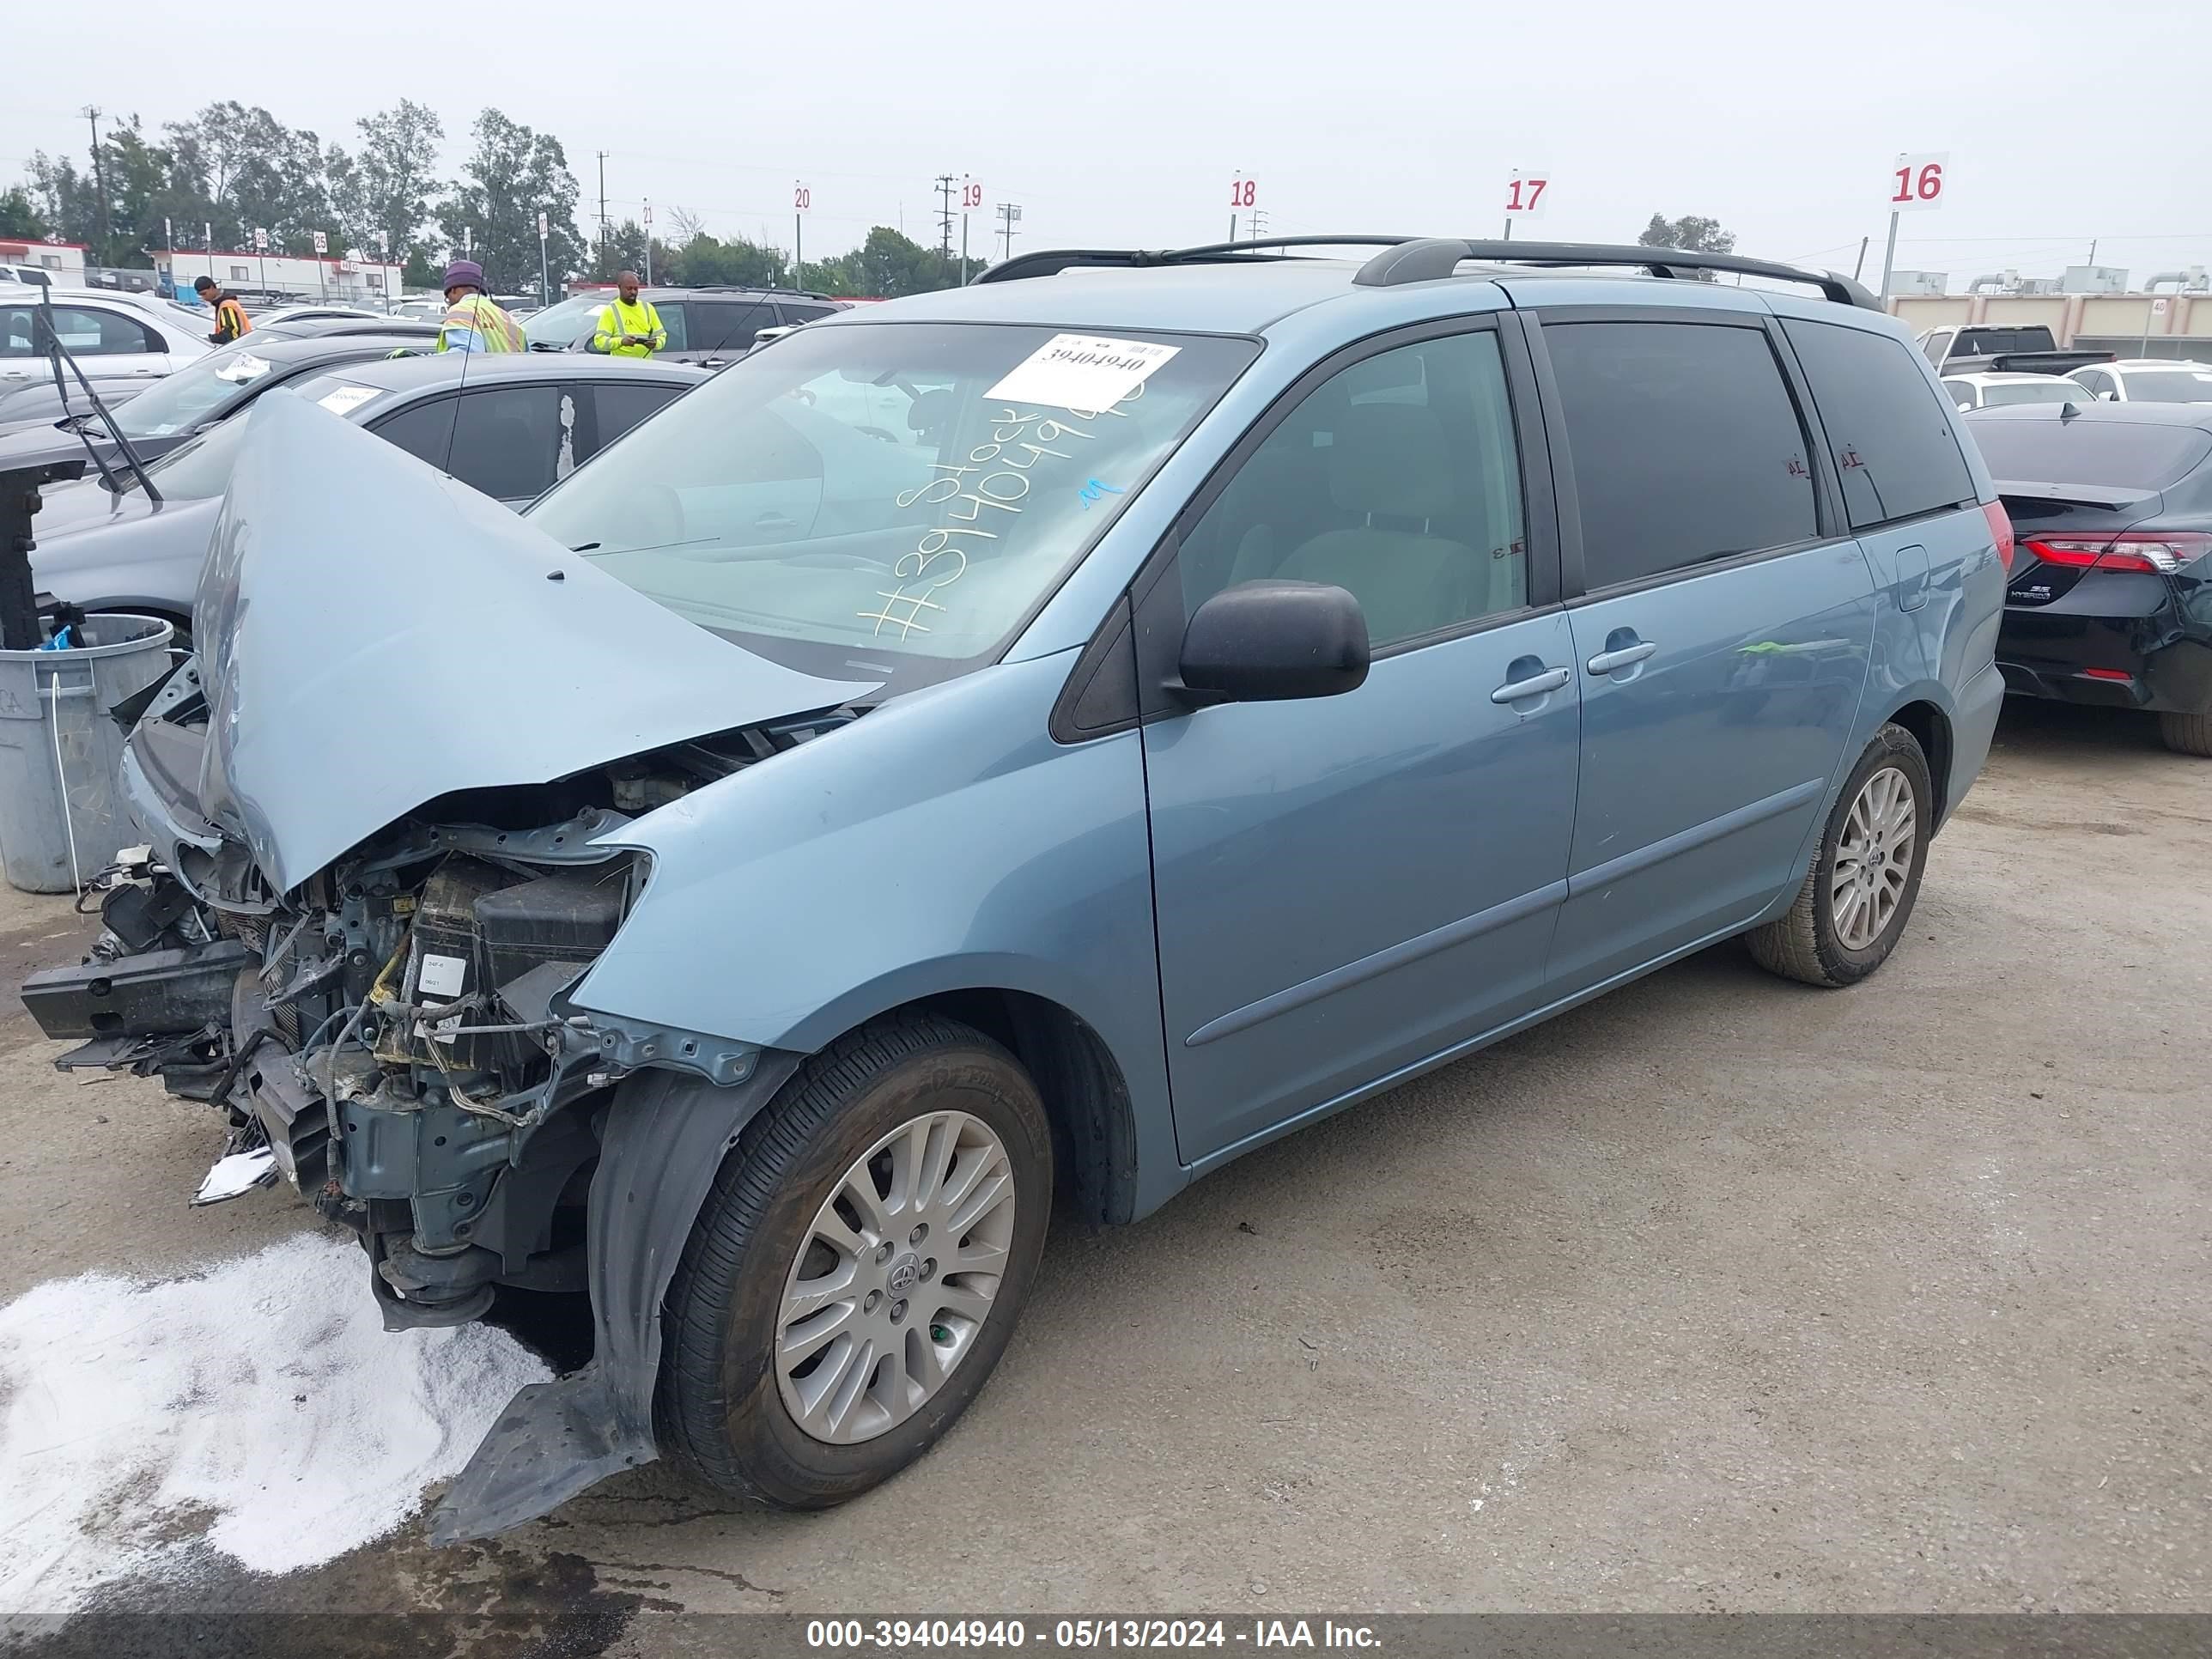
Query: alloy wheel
{"x": 1874, "y": 859}
{"x": 895, "y": 1278}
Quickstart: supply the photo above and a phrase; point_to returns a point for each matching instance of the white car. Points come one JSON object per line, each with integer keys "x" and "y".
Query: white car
{"x": 112, "y": 336}
{"x": 1986, "y": 391}
{"x": 2149, "y": 381}
{"x": 310, "y": 313}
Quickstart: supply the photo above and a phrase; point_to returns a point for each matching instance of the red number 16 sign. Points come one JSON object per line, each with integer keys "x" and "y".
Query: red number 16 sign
{"x": 1917, "y": 182}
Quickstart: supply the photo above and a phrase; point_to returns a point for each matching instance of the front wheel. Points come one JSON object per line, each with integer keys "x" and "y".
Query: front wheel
{"x": 858, "y": 1268}
{"x": 1858, "y": 896}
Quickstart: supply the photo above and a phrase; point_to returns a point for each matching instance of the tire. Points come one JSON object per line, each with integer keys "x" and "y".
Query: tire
{"x": 1808, "y": 942}
{"x": 2187, "y": 734}
{"x": 725, "y": 1411}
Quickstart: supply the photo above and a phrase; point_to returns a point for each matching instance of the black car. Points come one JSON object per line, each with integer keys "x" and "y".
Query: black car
{"x": 2110, "y": 601}
{"x": 708, "y": 326}
{"x": 182, "y": 405}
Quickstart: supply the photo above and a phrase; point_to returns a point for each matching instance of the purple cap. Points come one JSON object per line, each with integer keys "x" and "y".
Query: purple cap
{"x": 464, "y": 271}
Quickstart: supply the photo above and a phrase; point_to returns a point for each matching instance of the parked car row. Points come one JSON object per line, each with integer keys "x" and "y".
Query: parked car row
{"x": 509, "y": 427}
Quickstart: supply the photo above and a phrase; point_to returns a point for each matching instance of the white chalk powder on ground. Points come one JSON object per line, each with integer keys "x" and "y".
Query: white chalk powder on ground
{"x": 259, "y": 1408}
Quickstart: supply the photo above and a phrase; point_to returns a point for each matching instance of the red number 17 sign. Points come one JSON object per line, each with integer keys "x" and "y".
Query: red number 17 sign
{"x": 1917, "y": 182}
{"x": 1525, "y": 193}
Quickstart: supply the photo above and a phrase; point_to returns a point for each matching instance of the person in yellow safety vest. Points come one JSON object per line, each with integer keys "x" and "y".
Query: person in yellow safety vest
{"x": 230, "y": 321}
{"x": 628, "y": 326}
{"x": 472, "y": 322}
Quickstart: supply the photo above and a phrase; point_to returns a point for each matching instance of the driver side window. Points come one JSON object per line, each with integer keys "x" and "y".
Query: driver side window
{"x": 1397, "y": 479}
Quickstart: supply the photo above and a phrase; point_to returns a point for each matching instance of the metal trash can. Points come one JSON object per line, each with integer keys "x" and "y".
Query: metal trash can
{"x": 60, "y": 818}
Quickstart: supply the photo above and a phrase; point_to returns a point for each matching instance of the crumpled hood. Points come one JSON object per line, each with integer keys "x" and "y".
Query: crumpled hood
{"x": 373, "y": 635}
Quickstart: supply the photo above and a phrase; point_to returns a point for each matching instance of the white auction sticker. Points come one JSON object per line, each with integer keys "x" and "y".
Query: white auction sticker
{"x": 243, "y": 368}
{"x": 1081, "y": 373}
{"x": 442, "y": 977}
{"x": 347, "y": 398}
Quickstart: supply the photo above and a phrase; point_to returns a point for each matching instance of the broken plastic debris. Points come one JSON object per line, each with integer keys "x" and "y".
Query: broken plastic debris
{"x": 240, "y": 1172}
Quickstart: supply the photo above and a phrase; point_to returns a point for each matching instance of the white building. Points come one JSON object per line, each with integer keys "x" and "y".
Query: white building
{"x": 63, "y": 261}
{"x": 356, "y": 282}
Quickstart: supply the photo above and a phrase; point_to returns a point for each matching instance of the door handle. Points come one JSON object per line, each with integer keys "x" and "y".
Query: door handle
{"x": 1606, "y": 661}
{"x": 1535, "y": 686}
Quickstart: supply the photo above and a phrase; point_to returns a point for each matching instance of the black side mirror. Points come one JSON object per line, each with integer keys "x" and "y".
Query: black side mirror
{"x": 1265, "y": 641}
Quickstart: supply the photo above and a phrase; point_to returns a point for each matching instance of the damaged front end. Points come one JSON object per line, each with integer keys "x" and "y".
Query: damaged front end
{"x": 392, "y": 1035}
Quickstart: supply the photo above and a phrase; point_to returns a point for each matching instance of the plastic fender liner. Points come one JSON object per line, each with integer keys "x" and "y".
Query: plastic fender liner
{"x": 665, "y": 1140}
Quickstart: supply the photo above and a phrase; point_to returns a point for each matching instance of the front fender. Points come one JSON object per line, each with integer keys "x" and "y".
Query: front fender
{"x": 943, "y": 843}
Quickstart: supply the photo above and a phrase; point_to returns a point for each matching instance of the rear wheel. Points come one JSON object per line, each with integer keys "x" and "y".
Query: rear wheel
{"x": 859, "y": 1266}
{"x": 1859, "y": 894}
{"x": 2187, "y": 734}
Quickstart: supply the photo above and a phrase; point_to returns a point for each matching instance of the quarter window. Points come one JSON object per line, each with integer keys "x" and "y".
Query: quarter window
{"x": 1686, "y": 445}
{"x": 1892, "y": 438}
{"x": 727, "y": 327}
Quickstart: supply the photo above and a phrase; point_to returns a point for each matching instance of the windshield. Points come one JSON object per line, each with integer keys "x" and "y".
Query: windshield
{"x": 2112, "y": 454}
{"x": 2170, "y": 385}
{"x": 201, "y": 391}
{"x": 562, "y": 324}
{"x": 2033, "y": 391}
{"x": 888, "y": 498}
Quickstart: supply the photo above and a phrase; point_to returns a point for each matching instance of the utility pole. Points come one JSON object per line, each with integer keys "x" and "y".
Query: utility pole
{"x": 1009, "y": 213}
{"x": 944, "y": 182}
{"x": 99, "y": 175}
{"x": 603, "y": 209}
{"x": 648, "y": 241}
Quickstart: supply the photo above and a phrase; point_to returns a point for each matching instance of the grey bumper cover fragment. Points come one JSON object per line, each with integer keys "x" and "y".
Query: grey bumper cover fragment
{"x": 666, "y": 1136}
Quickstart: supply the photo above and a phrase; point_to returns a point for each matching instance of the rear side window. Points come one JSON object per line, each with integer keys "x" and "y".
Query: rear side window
{"x": 617, "y": 408}
{"x": 1890, "y": 436}
{"x": 725, "y": 327}
{"x": 2115, "y": 454}
{"x": 1686, "y": 445}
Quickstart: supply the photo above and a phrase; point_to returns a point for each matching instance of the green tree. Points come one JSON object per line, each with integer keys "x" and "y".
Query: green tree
{"x": 246, "y": 171}
{"x": 420, "y": 272}
{"x": 63, "y": 197}
{"x": 142, "y": 192}
{"x": 511, "y": 177}
{"x": 885, "y": 266}
{"x": 1691, "y": 231}
{"x": 18, "y": 217}
{"x": 387, "y": 185}
{"x": 706, "y": 259}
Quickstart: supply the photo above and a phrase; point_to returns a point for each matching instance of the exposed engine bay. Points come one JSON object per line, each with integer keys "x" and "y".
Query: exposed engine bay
{"x": 392, "y": 1034}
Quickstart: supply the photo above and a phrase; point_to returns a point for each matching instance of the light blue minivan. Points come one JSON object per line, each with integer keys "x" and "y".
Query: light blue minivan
{"x": 1065, "y": 732}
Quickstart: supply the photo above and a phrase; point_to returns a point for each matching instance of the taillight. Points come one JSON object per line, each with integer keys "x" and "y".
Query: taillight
{"x": 2000, "y": 528}
{"x": 2145, "y": 552}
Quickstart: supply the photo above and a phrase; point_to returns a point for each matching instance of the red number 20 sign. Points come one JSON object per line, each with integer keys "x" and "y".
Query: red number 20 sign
{"x": 1917, "y": 183}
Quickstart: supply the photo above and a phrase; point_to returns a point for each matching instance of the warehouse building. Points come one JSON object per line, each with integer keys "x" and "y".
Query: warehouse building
{"x": 2088, "y": 306}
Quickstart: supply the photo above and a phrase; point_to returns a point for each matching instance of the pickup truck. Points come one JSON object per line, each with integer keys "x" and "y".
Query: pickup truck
{"x": 1970, "y": 349}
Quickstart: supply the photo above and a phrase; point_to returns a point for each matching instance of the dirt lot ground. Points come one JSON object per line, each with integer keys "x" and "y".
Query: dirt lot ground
{"x": 1718, "y": 1294}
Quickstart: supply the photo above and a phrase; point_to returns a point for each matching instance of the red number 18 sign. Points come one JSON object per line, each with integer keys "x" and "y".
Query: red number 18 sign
{"x": 1917, "y": 182}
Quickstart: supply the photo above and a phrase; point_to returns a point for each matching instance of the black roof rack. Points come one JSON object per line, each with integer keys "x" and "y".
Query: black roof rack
{"x": 1428, "y": 259}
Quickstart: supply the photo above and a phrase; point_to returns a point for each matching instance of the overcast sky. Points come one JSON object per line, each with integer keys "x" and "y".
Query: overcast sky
{"x": 1122, "y": 123}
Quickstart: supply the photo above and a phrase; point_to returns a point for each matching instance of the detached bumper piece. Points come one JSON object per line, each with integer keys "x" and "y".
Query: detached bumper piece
{"x": 161, "y": 1010}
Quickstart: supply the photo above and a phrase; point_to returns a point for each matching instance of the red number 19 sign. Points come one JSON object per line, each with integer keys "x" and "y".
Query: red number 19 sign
{"x": 1917, "y": 182}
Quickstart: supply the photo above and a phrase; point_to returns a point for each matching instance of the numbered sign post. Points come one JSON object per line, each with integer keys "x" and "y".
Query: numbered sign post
{"x": 544, "y": 276}
{"x": 802, "y": 203}
{"x": 1525, "y": 190}
{"x": 1916, "y": 183}
{"x": 1243, "y": 197}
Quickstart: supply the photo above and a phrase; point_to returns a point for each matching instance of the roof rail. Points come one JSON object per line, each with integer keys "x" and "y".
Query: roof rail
{"x": 1050, "y": 262}
{"x": 1422, "y": 259}
{"x": 1438, "y": 256}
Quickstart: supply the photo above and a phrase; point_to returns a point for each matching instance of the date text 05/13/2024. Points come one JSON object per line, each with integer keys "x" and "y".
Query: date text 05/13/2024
{"x": 879, "y": 1635}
